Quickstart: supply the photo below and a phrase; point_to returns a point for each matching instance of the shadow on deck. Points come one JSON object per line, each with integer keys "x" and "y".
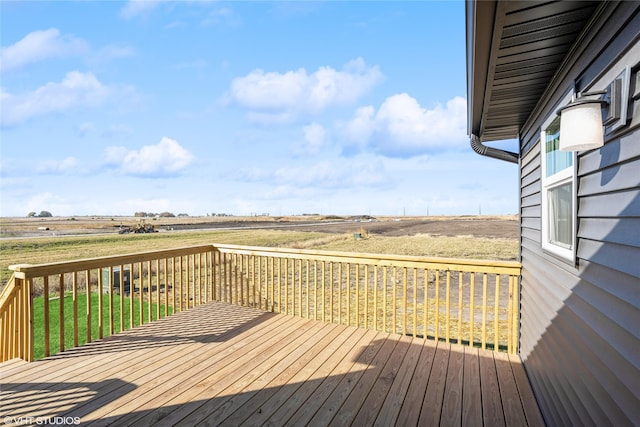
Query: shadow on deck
{"x": 219, "y": 364}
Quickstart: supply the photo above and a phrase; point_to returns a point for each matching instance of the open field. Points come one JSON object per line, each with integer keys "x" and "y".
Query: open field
{"x": 452, "y": 237}
{"x": 477, "y": 226}
{"x": 487, "y": 237}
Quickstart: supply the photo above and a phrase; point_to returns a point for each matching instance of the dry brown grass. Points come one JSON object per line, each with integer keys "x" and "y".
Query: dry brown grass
{"x": 432, "y": 246}
{"x": 52, "y": 249}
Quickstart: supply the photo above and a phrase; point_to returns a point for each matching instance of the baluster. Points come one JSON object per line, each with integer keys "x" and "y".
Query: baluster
{"x": 472, "y": 311}
{"x": 415, "y": 302}
{"x": 437, "y": 307}
{"x": 496, "y": 313}
{"x": 404, "y": 301}
{"x": 46, "y": 317}
{"x": 448, "y": 307}
{"x": 100, "y": 302}
{"x": 61, "y": 312}
{"x": 484, "y": 311}
{"x": 460, "y": 279}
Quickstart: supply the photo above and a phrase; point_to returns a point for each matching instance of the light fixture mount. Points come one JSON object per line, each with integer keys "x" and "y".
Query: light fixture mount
{"x": 583, "y": 120}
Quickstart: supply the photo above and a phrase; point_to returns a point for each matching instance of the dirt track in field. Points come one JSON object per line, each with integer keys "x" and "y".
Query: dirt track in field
{"x": 484, "y": 226}
{"x": 493, "y": 227}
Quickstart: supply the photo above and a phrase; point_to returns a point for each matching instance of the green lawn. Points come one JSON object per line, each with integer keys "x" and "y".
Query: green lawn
{"x": 54, "y": 316}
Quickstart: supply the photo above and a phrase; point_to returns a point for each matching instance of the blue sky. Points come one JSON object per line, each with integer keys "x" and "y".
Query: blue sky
{"x": 198, "y": 107}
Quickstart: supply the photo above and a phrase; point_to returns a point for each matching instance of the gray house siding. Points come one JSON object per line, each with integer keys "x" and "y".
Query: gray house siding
{"x": 580, "y": 323}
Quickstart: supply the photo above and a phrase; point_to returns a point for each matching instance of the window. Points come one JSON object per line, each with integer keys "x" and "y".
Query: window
{"x": 558, "y": 192}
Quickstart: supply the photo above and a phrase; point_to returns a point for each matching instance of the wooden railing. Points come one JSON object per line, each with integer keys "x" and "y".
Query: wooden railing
{"x": 51, "y": 307}
{"x": 77, "y": 302}
{"x": 469, "y": 302}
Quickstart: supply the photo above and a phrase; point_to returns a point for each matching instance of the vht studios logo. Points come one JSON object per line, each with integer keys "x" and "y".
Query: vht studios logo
{"x": 41, "y": 421}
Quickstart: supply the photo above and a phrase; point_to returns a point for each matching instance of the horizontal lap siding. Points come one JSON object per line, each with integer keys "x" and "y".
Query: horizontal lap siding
{"x": 579, "y": 335}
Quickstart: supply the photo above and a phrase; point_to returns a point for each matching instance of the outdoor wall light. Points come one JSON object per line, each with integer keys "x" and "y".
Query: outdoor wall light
{"x": 583, "y": 120}
{"x": 581, "y": 125}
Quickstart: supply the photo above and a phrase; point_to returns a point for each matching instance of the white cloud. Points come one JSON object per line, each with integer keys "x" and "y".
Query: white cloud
{"x": 135, "y": 8}
{"x": 38, "y": 46}
{"x": 116, "y": 131}
{"x": 110, "y": 52}
{"x": 335, "y": 174}
{"x": 75, "y": 90}
{"x": 218, "y": 16}
{"x": 360, "y": 129}
{"x": 401, "y": 127}
{"x": 315, "y": 138}
{"x": 57, "y": 166}
{"x": 84, "y": 129}
{"x": 47, "y": 201}
{"x": 167, "y": 158}
{"x": 295, "y": 92}
{"x": 271, "y": 118}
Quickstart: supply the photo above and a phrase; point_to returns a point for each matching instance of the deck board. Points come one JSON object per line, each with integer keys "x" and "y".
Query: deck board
{"x": 490, "y": 389}
{"x": 452, "y": 399}
{"x": 471, "y": 397}
{"x": 351, "y": 399}
{"x": 220, "y": 364}
{"x": 434, "y": 395}
{"x": 412, "y": 404}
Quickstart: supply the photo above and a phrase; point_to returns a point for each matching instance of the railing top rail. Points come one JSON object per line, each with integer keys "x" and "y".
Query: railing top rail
{"x": 459, "y": 264}
{"x": 7, "y": 291}
{"x": 26, "y": 271}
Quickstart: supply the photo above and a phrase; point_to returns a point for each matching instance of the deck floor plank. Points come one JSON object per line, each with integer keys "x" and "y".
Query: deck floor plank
{"x": 400, "y": 387}
{"x": 327, "y": 386}
{"x": 197, "y": 372}
{"x": 370, "y": 408}
{"x": 511, "y": 403}
{"x": 434, "y": 395}
{"x": 529, "y": 405}
{"x": 219, "y": 364}
{"x": 13, "y": 364}
{"x": 279, "y": 412}
{"x": 471, "y": 397}
{"x": 350, "y": 400}
{"x": 234, "y": 377}
{"x": 412, "y": 405}
{"x": 249, "y": 403}
{"x": 154, "y": 365}
{"x": 137, "y": 366}
{"x": 452, "y": 399}
{"x": 491, "y": 400}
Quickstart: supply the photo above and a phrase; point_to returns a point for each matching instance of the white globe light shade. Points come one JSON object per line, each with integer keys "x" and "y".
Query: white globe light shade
{"x": 581, "y": 126}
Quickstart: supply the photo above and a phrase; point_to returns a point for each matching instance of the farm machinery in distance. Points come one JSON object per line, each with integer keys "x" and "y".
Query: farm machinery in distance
{"x": 140, "y": 227}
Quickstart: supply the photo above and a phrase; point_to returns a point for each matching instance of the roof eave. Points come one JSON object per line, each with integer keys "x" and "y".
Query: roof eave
{"x": 480, "y": 18}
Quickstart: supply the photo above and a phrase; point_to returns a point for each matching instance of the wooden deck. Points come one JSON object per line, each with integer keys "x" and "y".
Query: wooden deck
{"x": 220, "y": 364}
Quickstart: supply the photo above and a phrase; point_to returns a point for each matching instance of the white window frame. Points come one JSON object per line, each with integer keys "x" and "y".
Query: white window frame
{"x": 548, "y": 183}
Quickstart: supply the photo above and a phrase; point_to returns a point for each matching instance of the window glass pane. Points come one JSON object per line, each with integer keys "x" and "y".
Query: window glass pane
{"x": 560, "y": 215}
{"x": 556, "y": 160}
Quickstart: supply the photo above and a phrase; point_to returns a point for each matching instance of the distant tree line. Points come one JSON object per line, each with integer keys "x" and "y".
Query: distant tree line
{"x": 42, "y": 214}
{"x": 157, "y": 215}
